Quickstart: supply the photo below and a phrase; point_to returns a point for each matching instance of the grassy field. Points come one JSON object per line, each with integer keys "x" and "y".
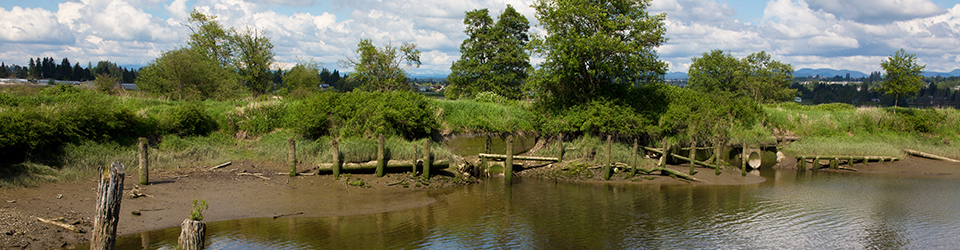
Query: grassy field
{"x": 64, "y": 133}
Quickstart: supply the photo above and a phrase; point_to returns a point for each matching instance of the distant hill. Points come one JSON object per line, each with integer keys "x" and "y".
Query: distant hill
{"x": 955, "y": 72}
{"x": 808, "y": 72}
{"x": 676, "y": 75}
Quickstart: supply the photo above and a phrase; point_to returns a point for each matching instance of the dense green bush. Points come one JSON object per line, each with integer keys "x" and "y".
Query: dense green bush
{"x": 704, "y": 116}
{"x": 359, "y": 113}
{"x": 188, "y": 119}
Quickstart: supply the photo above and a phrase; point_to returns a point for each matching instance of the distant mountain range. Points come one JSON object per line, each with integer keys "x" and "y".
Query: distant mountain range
{"x": 807, "y": 72}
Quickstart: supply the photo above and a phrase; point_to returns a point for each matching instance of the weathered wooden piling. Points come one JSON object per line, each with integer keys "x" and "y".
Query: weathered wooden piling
{"x": 850, "y": 161}
{"x": 336, "y": 158}
{"x": 633, "y": 168}
{"x": 109, "y": 194}
{"x": 192, "y": 234}
{"x": 716, "y": 157}
{"x": 608, "y": 164}
{"x": 801, "y": 164}
{"x": 693, "y": 158}
{"x": 663, "y": 156}
{"x": 560, "y": 146}
{"x": 816, "y": 163}
{"x": 292, "y": 156}
{"x": 743, "y": 159}
{"x": 834, "y": 163}
{"x": 381, "y": 157}
{"x": 508, "y": 164}
{"x": 142, "y": 158}
{"x": 427, "y": 159}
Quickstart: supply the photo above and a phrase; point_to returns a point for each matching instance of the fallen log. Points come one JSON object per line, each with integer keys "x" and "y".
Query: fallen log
{"x": 521, "y": 157}
{"x": 682, "y": 157}
{"x": 928, "y": 155}
{"x": 222, "y": 165}
{"x": 255, "y": 175}
{"x": 665, "y": 171}
{"x": 61, "y": 224}
{"x": 372, "y": 165}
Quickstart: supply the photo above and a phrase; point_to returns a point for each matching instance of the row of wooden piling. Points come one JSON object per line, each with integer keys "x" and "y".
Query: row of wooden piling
{"x": 835, "y": 160}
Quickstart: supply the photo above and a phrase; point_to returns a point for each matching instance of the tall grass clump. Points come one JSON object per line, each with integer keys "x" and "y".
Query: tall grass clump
{"x": 364, "y": 114}
{"x": 462, "y": 116}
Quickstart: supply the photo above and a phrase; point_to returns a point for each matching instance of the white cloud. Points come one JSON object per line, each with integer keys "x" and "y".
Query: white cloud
{"x": 846, "y": 34}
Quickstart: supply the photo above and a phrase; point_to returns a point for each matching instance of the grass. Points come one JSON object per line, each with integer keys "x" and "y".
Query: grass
{"x": 471, "y": 116}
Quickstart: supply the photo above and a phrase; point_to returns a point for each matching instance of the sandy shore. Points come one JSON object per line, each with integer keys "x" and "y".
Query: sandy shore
{"x": 233, "y": 196}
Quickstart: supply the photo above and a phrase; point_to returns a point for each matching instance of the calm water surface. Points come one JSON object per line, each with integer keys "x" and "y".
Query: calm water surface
{"x": 789, "y": 211}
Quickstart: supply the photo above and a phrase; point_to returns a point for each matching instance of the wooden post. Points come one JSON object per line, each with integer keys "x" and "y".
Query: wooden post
{"x": 381, "y": 157}
{"x": 850, "y": 162}
{"x": 835, "y": 163}
{"x": 508, "y": 164}
{"x": 427, "y": 159}
{"x": 560, "y": 146}
{"x": 743, "y": 159}
{"x": 693, "y": 157}
{"x": 192, "y": 234}
{"x": 607, "y": 166}
{"x": 801, "y": 163}
{"x": 816, "y": 163}
{"x": 292, "y": 156}
{"x": 633, "y": 169}
{"x": 663, "y": 157}
{"x": 716, "y": 156}
{"x": 336, "y": 158}
{"x": 487, "y": 146}
{"x": 109, "y": 194}
{"x": 144, "y": 162}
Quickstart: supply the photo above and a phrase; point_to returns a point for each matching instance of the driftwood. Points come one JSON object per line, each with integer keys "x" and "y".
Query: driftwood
{"x": 665, "y": 171}
{"x": 61, "y": 224}
{"x": 682, "y": 157}
{"x": 289, "y": 214}
{"x": 520, "y": 157}
{"x": 928, "y": 155}
{"x": 256, "y": 175}
{"x": 222, "y": 165}
{"x": 372, "y": 165}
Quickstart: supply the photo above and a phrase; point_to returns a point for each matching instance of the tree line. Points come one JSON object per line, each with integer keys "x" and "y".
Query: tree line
{"x": 47, "y": 68}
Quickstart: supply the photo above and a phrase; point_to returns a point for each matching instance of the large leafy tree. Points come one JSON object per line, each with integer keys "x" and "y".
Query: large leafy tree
{"x": 382, "y": 69}
{"x": 903, "y": 75}
{"x": 187, "y": 74}
{"x": 254, "y": 57}
{"x": 210, "y": 38}
{"x": 303, "y": 79}
{"x": 493, "y": 57}
{"x": 596, "y": 48}
{"x": 755, "y": 76}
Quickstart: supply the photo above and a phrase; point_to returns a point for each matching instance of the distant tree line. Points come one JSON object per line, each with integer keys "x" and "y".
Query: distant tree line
{"x": 47, "y": 68}
{"x": 937, "y": 91}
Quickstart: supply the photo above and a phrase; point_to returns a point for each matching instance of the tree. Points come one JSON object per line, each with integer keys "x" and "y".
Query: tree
{"x": 302, "y": 79}
{"x": 596, "y": 48}
{"x": 210, "y": 38}
{"x": 382, "y": 68}
{"x": 903, "y": 75}
{"x": 493, "y": 57}
{"x": 188, "y": 74}
{"x": 107, "y": 84}
{"x": 255, "y": 55}
{"x": 755, "y": 76}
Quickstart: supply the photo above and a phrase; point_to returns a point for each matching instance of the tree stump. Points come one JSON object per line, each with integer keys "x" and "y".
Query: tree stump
{"x": 109, "y": 194}
{"x": 192, "y": 234}
{"x": 144, "y": 163}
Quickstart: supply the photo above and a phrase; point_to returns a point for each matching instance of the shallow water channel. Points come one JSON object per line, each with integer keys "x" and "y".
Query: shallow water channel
{"x": 808, "y": 210}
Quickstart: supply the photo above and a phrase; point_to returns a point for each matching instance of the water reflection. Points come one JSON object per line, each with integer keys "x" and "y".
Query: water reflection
{"x": 790, "y": 210}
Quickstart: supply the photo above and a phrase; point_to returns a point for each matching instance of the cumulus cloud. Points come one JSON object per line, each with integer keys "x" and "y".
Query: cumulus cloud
{"x": 846, "y": 34}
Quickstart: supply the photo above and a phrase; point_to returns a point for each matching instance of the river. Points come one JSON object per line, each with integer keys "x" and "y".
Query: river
{"x": 790, "y": 210}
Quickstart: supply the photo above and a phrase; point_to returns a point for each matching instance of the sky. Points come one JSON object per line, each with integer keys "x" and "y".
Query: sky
{"x": 837, "y": 34}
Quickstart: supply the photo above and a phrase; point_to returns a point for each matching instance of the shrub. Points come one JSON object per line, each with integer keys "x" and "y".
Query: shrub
{"x": 188, "y": 119}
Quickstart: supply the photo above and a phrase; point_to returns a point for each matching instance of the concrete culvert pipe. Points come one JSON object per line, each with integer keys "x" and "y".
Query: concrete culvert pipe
{"x": 754, "y": 159}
